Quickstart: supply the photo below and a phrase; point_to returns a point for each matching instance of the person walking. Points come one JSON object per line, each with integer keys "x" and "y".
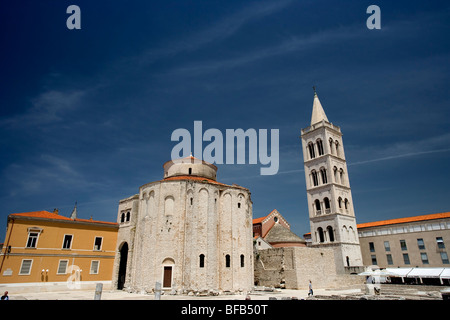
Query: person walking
{"x": 310, "y": 292}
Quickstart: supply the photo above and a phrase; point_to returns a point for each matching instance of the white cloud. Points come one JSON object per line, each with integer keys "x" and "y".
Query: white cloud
{"x": 43, "y": 173}
{"x": 220, "y": 30}
{"x": 405, "y": 149}
{"x": 48, "y": 107}
{"x": 294, "y": 44}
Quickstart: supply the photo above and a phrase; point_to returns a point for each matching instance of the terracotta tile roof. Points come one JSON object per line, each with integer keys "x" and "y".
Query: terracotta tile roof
{"x": 195, "y": 178}
{"x": 97, "y": 221}
{"x": 258, "y": 220}
{"x": 51, "y": 215}
{"x": 400, "y": 220}
{"x": 41, "y": 214}
{"x": 404, "y": 220}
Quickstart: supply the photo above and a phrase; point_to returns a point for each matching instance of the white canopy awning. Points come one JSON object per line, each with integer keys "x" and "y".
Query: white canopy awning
{"x": 445, "y": 274}
{"x": 425, "y": 273}
{"x": 399, "y": 272}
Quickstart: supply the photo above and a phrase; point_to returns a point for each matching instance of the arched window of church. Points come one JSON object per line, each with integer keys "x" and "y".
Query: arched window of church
{"x": 320, "y": 147}
{"x": 312, "y": 155}
{"x": 122, "y": 217}
{"x": 317, "y": 204}
{"x": 242, "y": 260}
{"x": 320, "y": 234}
{"x": 227, "y": 261}
{"x": 340, "y": 202}
{"x": 352, "y": 234}
{"x": 190, "y": 171}
{"x": 331, "y": 145}
{"x": 330, "y": 233}
{"x": 345, "y": 233}
{"x": 341, "y": 176}
{"x": 338, "y": 149}
{"x": 128, "y": 216}
{"x": 202, "y": 261}
{"x": 346, "y": 203}
{"x": 168, "y": 206}
{"x": 323, "y": 173}
{"x": 315, "y": 178}
{"x": 326, "y": 203}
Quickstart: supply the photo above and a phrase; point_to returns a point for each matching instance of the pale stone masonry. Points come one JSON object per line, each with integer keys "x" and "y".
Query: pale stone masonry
{"x": 294, "y": 267}
{"x": 330, "y": 204}
{"x": 187, "y": 231}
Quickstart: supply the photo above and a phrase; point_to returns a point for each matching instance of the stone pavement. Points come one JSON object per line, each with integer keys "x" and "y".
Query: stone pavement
{"x": 123, "y": 295}
{"x": 388, "y": 292}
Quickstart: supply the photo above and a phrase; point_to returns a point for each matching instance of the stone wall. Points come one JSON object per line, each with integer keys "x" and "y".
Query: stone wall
{"x": 294, "y": 267}
{"x": 191, "y": 227}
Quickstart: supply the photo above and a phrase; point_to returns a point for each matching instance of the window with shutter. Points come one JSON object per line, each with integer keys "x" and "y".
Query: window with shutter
{"x": 25, "y": 268}
{"x": 94, "y": 266}
{"x": 62, "y": 267}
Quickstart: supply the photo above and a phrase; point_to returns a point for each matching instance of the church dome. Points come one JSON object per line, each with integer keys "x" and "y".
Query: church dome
{"x": 189, "y": 166}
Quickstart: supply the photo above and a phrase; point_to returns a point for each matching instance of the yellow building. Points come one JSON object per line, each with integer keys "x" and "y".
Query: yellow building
{"x": 48, "y": 251}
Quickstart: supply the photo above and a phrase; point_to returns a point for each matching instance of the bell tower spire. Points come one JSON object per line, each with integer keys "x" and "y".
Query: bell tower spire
{"x": 330, "y": 205}
{"x": 318, "y": 114}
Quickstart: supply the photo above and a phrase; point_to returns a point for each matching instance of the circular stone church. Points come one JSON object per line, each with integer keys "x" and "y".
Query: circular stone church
{"x": 188, "y": 232}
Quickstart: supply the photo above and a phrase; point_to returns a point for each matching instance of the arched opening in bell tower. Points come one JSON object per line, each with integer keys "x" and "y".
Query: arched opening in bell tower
{"x": 320, "y": 233}
{"x": 330, "y": 233}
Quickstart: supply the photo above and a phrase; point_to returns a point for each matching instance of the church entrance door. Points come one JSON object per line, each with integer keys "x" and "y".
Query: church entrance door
{"x": 167, "y": 279}
{"x": 122, "y": 266}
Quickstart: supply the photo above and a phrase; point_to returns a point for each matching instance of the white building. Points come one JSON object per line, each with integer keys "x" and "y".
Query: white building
{"x": 330, "y": 204}
{"x": 187, "y": 231}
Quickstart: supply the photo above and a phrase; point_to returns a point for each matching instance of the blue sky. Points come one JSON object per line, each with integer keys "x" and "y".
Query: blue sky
{"x": 87, "y": 115}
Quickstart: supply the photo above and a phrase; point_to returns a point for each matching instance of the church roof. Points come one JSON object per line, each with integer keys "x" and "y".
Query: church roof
{"x": 194, "y": 178}
{"x": 258, "y": 220}
{"x": 190, "y": 159}
{"x": 279, "y": 233}
{"x": 202, "y": 179}
{"x": 275, "y": 212}
{"x": 318, "y": 114}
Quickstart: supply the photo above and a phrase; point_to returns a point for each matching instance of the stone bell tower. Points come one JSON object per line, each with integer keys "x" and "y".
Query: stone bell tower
{"x": 330, "y": 204}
